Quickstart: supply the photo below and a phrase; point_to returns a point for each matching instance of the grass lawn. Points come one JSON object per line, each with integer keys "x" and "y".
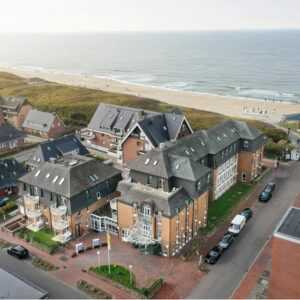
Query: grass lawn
{"x": 41, "y": 238}
{"x": 221, "y": 208}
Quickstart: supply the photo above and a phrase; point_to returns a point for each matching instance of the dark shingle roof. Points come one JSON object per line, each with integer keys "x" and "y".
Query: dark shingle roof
{"x": 12, "y": 102}
{"x": 9, "y": 133}
{"x": 10, "y": 171}
{"x": 39, "y": 120}
{"x": 58, "y": 148}
{"x": 167, "y": 203}
{"x": 70, "y": 175}
{"x": 111, "y": 118}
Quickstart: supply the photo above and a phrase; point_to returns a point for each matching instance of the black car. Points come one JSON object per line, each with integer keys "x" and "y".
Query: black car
{"x": 18, "y": 251}
{"x": 270, "y": 187}
{"x": 226, "y": 241}
{"x": 213, "y": 255}
{"x": 247, "y": 213}
{"x": 265, "y": 196}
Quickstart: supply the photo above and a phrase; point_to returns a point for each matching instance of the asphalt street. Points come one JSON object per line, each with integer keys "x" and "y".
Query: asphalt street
{"x": 225, "y": 276}
{"x": 24, "y": 269}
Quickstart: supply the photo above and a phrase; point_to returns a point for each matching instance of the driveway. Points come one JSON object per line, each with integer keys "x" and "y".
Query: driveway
{"x": 56, "y": 289}
{"x": 224, "y": 277}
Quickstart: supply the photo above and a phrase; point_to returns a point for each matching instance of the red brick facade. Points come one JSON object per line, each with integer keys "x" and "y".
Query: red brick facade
{"x": 132, "y": 148}
{"x": 285, "y": 274}
{"x": 18, "y": 119}
{"x": 104, "y": 140}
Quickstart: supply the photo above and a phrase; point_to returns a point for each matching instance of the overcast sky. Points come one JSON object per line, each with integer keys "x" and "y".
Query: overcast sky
{"x": 150, "y": 15}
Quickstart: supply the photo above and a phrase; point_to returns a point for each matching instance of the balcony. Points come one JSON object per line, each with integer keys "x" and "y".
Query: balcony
{"x": 58, "y": 210}
{"x": 36, "y": 226}
{"x": 33, "y": 213}
{"x": 63, "y": 237}
{"x": 31, "y": 200}
{"x": 145, "y": 218}
{"x": 60, "y": 225}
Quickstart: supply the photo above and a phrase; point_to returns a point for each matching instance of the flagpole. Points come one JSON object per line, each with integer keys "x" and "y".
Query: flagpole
{"x": 108, "y": 250}
{"x": 108, "y": 258}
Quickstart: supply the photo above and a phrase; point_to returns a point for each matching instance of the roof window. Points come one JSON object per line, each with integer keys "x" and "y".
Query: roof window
{"x": 147, "y": 161}
{"x": 61, "y": 181}
{"x": 37, "y": 173}
{"x": 48, "y": 175}
{"x": 55, "y": 179}
{"x": 155, "y": 163}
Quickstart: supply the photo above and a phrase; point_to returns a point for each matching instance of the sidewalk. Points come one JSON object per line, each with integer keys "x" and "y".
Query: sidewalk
{"x": 68, "y": 271}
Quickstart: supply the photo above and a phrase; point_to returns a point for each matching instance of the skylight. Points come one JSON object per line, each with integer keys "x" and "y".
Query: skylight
{"x": 218, "y": 138}
{"x": 96, "y": 177}
{"x": 155, "y": 163}
{"x": 192, "y": 149}
{"x": 37, "y": 173}
{"x": 92, "y": 178}
{"x": 55, "y": 179}
{"x": 61, "y": 181}
{"x": 48, "y": 175}
{"x": 147, "y": 161}
{"x": 187, "y": 152}
{"x": 177, "y": 166}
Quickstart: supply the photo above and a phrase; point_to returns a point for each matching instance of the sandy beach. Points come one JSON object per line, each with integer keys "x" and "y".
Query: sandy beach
{"x": 269, "y": 111}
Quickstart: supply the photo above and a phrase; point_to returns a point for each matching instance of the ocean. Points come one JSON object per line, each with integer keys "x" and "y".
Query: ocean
{"x": 255, "y": 64}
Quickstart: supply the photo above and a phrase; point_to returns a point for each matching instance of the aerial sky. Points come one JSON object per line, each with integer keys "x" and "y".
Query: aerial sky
{"x": 146, "y": 15}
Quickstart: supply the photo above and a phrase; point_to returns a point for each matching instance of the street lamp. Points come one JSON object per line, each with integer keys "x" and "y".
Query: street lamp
{"x": 130, "y": 273}
{"x": 98, "y": 254}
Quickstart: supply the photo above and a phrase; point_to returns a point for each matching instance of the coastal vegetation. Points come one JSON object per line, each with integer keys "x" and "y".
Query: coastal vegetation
{"x": 76, "y": 105}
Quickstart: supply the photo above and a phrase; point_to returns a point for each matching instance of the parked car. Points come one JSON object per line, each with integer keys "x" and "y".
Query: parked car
{"x": 18, "y": 251}
{"x": 3, "y": 201}
{"x": 247, "y": 213}
{"x": 265, "y": 196}
{"x": 213, "y": 255}
{"x": 237, "y": 224}
{"x": 270, "y": 187}
{"x": 226, "y": 241}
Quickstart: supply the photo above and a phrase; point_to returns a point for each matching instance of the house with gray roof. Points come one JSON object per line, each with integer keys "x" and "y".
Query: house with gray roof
{"x": 125, "y": 132}
{"x": 166, "y": 195}
{"x": 10, "y": 138}
{"x": 54, "y": 149}
{"x": 10, "y": 171}
{"x": 14, "y": 109}
{"x": 62, "y": 194}
{"x": 44, "y": 124}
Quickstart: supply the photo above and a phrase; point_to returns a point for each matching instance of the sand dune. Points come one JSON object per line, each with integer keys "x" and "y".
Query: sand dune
{"x": 270, "y": 111}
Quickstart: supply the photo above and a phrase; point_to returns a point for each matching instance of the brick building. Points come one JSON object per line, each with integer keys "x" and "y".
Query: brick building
{"x": 285, "y": 269}
{"x": 10, "y": 138}
{"x": 2, "y": 120}
{"x": 125, "y": 132}
{"x": 43, "y": 124}
{"x": 15, "y": 109}
{"x": 63, "y": 193}
{"x": 165, "y": 199}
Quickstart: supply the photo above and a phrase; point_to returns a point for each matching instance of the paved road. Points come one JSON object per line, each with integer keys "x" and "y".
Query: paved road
{"x": 225, "y": 276}
{"x": 24, "y": 269}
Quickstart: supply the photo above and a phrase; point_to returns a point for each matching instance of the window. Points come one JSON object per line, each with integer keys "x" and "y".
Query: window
{"x": 246, "y": 144}
{"x": 42, "y": 193}
{"x": 98, "y": 195}
{"x": 149, "y": 180}
{"x": 199, "y": 186}
{"x": 147, "y": 229}
{"x": 37, "y": 173}
{"x": 61, "y": 181}
{"x": 55, "y": 179}
{"x": 146, "y": 211}
{"x": 147, "y": 161}
{"x": 24, "y": 187}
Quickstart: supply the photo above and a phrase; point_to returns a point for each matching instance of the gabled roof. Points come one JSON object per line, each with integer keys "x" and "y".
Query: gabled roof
{"x": 9, "y": 133}
{"x": 167, "y": 203}
{"x": 39, "y": 120}
{"x": 58, "y": 148}
{"x": 70, "y": 175}
{"x": 12, "y": 102}
{"x": 116, "y": 119}
{"x": 10, "y": 171}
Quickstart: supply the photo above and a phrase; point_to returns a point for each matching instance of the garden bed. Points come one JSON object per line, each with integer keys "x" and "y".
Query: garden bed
{"x": 92, "y": 290}
{"x": 44, "y": 265}
{"x": 125, "y": 278}
{"x": 42, "y": 239}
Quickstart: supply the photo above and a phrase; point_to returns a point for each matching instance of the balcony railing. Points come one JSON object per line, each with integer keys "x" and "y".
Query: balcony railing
{"x": 63, "y": 237}
{"x": 60, "y": 225}
{"x": 36, "y": 226}
{"x": 33, "y": 213}
{"x": 31, "y": 200}
{"x": 58, "y": 210}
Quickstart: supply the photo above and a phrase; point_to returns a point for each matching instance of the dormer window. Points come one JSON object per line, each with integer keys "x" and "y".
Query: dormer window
{"x": 146, "y": 211}
{"x": 199, "y": 186}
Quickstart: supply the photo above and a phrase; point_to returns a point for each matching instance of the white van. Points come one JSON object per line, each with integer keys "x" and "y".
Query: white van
{"x": 237, "y": 224}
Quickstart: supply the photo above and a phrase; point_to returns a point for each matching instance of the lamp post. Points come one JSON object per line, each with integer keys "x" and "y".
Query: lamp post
{"x": 98, "y": 254}
{"x": 130, "y": 273}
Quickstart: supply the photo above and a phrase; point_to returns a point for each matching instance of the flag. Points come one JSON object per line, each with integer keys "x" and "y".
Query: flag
{"x": 108, "y": 241}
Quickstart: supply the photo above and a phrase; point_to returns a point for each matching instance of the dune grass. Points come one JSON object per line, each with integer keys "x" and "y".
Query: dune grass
{"x": 76, "y": 105}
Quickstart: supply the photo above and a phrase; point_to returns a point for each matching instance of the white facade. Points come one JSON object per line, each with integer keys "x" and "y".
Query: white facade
{"x": 226, "y": 176}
